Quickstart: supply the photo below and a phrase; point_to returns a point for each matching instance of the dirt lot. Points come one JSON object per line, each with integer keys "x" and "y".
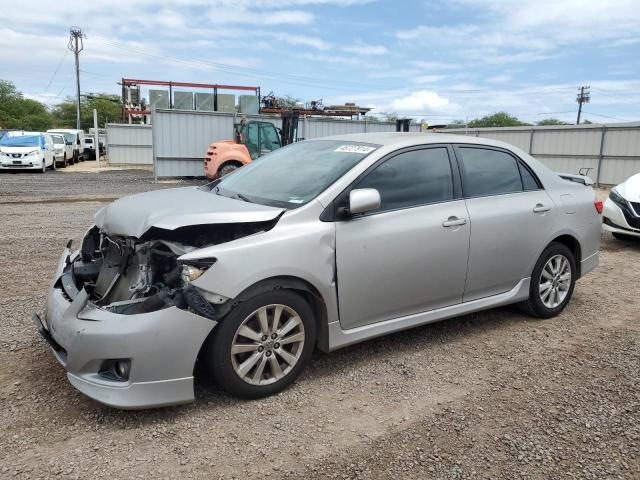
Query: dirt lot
{"x": 490, "y": 395}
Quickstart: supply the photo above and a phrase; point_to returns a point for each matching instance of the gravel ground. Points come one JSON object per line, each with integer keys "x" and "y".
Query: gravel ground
{"x": 490, "y": 395}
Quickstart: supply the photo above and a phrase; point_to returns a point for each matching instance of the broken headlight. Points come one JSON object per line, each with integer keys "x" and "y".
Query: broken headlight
{"x": 194, "y": 269}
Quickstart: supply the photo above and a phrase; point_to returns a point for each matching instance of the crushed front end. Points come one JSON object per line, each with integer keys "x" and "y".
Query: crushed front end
{"x": 123, "y": 318}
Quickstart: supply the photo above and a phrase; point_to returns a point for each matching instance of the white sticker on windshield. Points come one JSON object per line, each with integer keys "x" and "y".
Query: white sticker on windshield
{"x": 354, "y": 149}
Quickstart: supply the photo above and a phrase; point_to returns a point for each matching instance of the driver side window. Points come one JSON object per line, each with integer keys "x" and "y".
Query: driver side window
{"x": 410, "y": 179}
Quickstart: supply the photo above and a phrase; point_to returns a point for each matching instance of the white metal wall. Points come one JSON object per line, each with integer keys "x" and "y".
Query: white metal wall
{"x": 129, "y": 144}
{"x": 612, "y": 151}
{"x": 181, "y": 138}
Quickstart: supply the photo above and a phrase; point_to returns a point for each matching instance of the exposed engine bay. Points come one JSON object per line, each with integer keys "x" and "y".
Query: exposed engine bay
{"x": 128, "y": 275}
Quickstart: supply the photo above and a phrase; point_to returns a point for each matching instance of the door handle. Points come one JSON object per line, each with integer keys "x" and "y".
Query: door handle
{"x": 454, "y": 222}
{"x": 539, "y": 208}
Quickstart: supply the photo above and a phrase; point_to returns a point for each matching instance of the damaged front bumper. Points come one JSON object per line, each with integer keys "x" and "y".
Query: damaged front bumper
{"x": 160, "y": 348}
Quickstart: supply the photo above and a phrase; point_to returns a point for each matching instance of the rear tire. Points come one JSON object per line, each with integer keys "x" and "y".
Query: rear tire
{"x": 227, "y": 169}
{"x": 552, "y": 282}
{"x": 271, "y": 358}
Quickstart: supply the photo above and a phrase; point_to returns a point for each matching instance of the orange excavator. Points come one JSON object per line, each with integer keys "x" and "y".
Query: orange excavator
{"x": 252, "y": 139}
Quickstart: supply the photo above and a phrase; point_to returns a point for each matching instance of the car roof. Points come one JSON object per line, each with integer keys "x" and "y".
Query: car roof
{"x": 408, "y": 139}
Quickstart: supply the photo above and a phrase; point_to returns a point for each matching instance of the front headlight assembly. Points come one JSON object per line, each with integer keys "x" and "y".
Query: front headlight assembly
{"x": 617, "y": 198}
{"x": 194, "y": 269}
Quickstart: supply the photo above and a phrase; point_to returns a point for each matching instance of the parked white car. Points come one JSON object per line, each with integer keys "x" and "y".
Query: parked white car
{"x": 32, "y": 151}
{"x": 76, "y": 137}
{"x": 60, "y": 148}
{"x": 621, "y": 214}
{"x": 89, "y": 149}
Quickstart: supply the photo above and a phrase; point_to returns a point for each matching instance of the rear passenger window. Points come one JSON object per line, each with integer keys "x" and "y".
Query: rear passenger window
{"x": 489, "y": 172}
{"x": 412, "y": 178}
{"x": 529, "y": 182}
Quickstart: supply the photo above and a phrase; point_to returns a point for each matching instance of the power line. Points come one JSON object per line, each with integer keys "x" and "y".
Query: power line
{"x": 55, "y": 72}
{"x": 302, "y": 80}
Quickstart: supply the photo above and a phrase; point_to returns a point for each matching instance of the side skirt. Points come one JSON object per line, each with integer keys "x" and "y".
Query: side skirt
{"x": 339, "y": 338}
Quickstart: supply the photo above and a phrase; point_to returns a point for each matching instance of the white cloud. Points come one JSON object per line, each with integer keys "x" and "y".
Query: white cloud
{"x": 435, "y": 65}
{"x": 315, "y": 57}
{"x": 421, "y": 101}
{"x": 305, "y": 40}
{"x": 428, "y": 78}
{"x": 364, "y": 49}
{"x": 531, "y": 30}
{"x": 246, "y": 16}
{"x": 499, "y": 78}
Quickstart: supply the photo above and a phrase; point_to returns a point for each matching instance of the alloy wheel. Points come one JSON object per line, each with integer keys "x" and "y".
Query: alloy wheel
{"x": 267, "y": 344}
{"x": 555, "y": 281}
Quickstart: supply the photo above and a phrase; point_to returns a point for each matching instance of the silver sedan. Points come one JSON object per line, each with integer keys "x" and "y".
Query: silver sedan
{"x": 317, "y": 245}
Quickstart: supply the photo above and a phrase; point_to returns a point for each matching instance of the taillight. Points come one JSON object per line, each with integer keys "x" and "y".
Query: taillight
{"x": 598, "y": 205}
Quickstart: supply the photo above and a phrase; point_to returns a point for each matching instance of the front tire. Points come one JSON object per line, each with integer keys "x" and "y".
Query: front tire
{"x": 552, "y": 282}
{"x": 263, "y": 344}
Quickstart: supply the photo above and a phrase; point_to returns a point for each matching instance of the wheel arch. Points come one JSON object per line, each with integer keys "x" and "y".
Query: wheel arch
{"x": 573, "y": 244}
{"x": 287, "y": 282}
{"x": 304, "y": 288}
{"x": 231, "y": 161}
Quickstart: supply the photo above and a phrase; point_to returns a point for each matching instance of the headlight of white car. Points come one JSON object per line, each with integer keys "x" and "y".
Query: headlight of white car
{"x": 33, "y": 152}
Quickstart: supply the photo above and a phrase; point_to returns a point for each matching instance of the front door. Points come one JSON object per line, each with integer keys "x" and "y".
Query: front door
{"x": 410, "y": 255}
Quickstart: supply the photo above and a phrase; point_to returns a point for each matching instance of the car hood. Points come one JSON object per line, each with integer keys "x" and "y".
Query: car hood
{"x": 173, "y": 208}
{"x": 630, "y": 189}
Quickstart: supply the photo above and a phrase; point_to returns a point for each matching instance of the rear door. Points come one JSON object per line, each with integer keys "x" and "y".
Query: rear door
{"x": 511, "y": 217}
{"x": 410, "y": 255}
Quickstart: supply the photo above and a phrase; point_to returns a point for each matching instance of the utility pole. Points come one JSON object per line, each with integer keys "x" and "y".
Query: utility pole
{"x": 76, "y": 46}
{"x": 583, "y": 97}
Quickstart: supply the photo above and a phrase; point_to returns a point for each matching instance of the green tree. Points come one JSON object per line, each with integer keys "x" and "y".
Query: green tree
{"x": 288, "y": 101}
{"x": 109, "y": 108}
{"x": 19, "y": 112}
{"x": 551, "y": 121}
{"x": 456, "y": 124}
{"x": 498, "y": 119}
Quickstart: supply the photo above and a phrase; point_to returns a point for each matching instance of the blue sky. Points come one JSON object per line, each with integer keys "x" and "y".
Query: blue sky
{"x": 428, "y": 59}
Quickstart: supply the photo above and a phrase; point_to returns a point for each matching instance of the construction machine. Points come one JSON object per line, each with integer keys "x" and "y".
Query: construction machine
{"x": 252, "y": 139}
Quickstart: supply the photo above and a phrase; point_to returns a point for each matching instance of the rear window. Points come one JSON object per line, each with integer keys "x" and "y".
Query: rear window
{"x": 88, "y": 140}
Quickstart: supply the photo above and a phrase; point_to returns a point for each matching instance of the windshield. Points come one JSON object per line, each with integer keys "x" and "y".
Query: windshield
{"x": 20, "y": 141}
{"x": 292, "y": 176}
{"x": 57, "y": 140}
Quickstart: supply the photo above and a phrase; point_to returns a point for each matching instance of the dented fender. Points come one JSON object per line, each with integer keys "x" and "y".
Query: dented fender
{"x": 298, "y": 246}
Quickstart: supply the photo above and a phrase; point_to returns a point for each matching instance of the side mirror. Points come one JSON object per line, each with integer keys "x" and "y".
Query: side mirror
{"x": 363, "y": 200}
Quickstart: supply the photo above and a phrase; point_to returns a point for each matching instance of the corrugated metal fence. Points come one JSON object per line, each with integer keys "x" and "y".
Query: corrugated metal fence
{"x": 611, "y": 151}
{"x": 129, "y": 144}
{"x": 181, "y": 138}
